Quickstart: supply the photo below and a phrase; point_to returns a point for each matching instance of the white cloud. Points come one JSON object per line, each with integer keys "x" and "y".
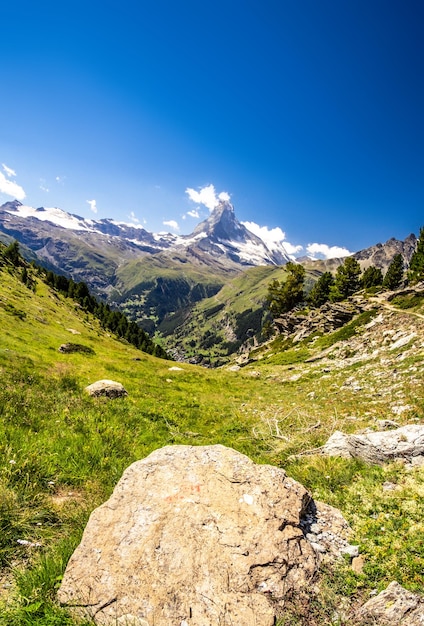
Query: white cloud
{"x": 291, "y": 249}
{"x": 132, "y": 217}
{"x": 172, "y": 224}
{"x": 322, "y": 250}
{"x": 60, "y": 179}
{"x": 273, "y": 237}
{"x": 93, "y": 205}
{"x": 207, "y": 196}
{"x": 10, "y": 188}
{"x": 269, "y": 235}
{"x": 8, "y": 170}
{"x": 193, "y": 213}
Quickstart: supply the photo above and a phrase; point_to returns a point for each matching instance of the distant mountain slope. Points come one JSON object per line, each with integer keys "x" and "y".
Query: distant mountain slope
{"x": 380, "y": 255}
{"x": 148, "y": 275}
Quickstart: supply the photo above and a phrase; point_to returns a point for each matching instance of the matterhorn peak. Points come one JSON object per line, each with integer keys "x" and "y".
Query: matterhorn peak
{"x": 222, "y": 224}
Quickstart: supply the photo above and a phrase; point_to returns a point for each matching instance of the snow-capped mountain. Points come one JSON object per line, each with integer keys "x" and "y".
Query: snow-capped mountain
{"x": 148, "y": 275}
{"x": 221, "y": 235}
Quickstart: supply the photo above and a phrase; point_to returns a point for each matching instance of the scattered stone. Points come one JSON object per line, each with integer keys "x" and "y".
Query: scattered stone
{"x": 29, "y": 544}
{"x": 73, "y": 331}
{"x": 175, "y": 368}
{"x": 387, "y": 424}
{"x": 388, "y": 486}
{"x": 402, "y": 341}
{"x": 107, "y": 388}
{"x": 401, "y": 408}
{"x": 199, "y": 535}
{"x": 352, "y": 551}
{"x": 395, "y": 606}
{"x": 405, "y": 443}
{"x": 358, "y": 563}
{"x": 234, "y": 368}
{"x": 68, "y": 348}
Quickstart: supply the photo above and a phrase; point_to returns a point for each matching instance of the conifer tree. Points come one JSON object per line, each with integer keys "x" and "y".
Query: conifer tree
{"x": 372, "y": 277}
{"x": 346, "y": 281}
{"x": 416, "y": 265}
{"x": 12, "y": 253}
{"x": 394, "y": 274}
{"x": 283, "y": 297}
{"x": 320, "y": 292}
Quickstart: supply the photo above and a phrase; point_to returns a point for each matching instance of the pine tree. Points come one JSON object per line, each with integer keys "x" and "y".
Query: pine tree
{"x": 283, "y": 297}
{"x": 12, "y": 254}
{"x": 346, "y": 281}
{"x": 372, "y": 277}
{"x": 394, "y": 274}
{"x": 416, "y": 265}
{"x": 320, "y": 292}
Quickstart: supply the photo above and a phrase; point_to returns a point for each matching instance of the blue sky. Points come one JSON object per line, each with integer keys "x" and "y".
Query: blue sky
{"x": 309, "y": 115}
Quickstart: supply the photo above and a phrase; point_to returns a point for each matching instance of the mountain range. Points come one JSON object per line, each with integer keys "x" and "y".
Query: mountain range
{"x": 157, "y": 278}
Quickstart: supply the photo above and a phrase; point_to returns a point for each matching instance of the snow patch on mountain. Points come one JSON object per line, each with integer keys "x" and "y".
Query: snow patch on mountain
{"x": 54, "y": 215}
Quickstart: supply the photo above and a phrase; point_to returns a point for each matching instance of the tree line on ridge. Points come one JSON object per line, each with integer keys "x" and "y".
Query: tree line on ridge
{"x": 110, "y": 319}
{"x": 282, "y": 297}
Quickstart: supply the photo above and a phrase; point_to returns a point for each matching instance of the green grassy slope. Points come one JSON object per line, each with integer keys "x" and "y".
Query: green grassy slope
{"x": 216, "y": 328}
{"x": 62, "y": 452}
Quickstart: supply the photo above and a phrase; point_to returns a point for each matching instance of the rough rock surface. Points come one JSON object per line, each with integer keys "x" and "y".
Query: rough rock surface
{"x": 325, "y": 319}
{"x": 395, "y": 606}
{"x": 108, "y": 388}
{"x": 405, "y": 443}
{"x": 202, "y": 536}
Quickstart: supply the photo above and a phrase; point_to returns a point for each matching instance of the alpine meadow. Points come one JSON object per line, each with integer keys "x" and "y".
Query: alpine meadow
{"x": 342, "y": 360}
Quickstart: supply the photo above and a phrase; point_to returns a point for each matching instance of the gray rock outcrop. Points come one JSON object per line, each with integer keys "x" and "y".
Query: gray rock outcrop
{"x": 199, "y": 536}
{"x": 405, "y": 443}
{"x": 325, "y": 319}
{"x": 107, "y": 388}
{"x": 395, "y": 606}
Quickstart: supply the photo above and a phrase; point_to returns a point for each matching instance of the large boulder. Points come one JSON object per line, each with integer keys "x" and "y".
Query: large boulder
{"x": 200, "y": 536}
{"x": 107, "y": 388}
{"x": 405, "y": 443}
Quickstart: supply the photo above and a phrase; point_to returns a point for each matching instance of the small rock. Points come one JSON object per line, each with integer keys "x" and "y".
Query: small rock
{"x": 358, "y": 563}
{"x": 392, "y": 607}
{"x": 387, "y": 424}
{"x": 352, "y": 551}
{"x": 387, "y": 486}
{"x": 69, "y": 348}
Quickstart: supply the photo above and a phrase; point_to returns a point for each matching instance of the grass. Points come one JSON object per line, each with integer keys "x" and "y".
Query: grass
{"x": 62, "y": 452}
{"x": 409, "y": 301}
